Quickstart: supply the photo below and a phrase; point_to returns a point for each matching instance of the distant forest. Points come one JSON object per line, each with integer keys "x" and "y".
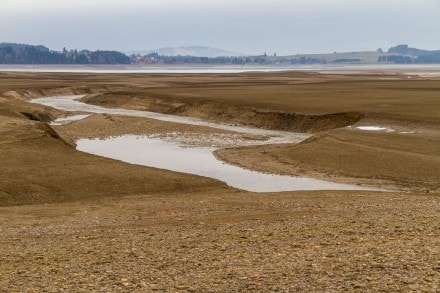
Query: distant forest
{"x": 402, "y": 54}
{"x": 156, "y": 58}
{"x": 29, "y": 54}
{"x": 11, "y": 53}
{"x": 260, "y": 59}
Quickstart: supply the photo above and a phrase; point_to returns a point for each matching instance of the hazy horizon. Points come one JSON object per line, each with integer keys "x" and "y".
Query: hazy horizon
{"x": 252, "y": 27}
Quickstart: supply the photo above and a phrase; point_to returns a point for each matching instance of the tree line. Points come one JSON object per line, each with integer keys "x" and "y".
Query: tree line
{"x": 29, "y": 54}
{"x": 433, "y": 58}
{"x": 403, "y": 54}
{"x": 260, "y": 59}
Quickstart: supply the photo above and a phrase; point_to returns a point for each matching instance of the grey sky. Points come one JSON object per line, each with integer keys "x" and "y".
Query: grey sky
{"x": 281, "y": 26}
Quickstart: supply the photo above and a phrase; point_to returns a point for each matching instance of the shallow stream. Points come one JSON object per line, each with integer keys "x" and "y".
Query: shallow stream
{"x": 173, "y": 155}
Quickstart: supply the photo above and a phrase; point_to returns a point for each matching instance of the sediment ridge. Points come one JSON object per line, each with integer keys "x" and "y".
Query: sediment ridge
{"x": 224, "y": 113}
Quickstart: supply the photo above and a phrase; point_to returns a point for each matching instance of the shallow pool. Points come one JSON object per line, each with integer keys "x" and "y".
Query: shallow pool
{"x": 170, "y": 153}
{"x": 153, "y": 152}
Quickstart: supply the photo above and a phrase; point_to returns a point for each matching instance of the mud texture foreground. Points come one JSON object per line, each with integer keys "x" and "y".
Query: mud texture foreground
{"x": 316, "y": 241}
{"x": 76, "y": 222}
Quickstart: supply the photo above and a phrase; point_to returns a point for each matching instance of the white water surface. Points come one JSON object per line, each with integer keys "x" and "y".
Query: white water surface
{"x": 172, "y": 155}
{"x": 153, "y": 152}
{"x": 375, "y": 128}
{"x": 64, "y": 120}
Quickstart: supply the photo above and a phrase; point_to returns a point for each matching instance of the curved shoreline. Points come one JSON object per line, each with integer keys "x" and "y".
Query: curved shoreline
{"x": 248, "y": 179}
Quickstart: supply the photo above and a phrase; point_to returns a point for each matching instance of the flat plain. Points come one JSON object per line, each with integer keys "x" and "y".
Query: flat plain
{"x": 77, "y": 222}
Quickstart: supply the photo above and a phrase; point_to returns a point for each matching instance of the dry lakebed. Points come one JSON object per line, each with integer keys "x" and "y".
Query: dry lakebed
{"x": 282, "y": 181}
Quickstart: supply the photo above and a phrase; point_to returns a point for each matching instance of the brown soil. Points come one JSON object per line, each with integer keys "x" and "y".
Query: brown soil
{"x": 38, "y": 168}
{"x": 389, "y": 160}
{"x": 102, "y": 126}
{"x": 219, "y": 112}
{"x": 314, "y": 102}
{"x": 222, "y": 242}
{"x": 76, "y": 222}
{"x": 386, "y": 97}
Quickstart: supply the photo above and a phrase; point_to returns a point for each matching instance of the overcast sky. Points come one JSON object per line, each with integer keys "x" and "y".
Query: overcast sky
{"x": 249, "y": 26}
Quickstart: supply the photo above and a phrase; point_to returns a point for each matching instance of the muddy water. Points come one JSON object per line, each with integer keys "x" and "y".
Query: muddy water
{"x": 147, "y": 151}
{"x": 71, "y": 103}
{"x": 65, "y": 120}
{"x": 173, "y": 155}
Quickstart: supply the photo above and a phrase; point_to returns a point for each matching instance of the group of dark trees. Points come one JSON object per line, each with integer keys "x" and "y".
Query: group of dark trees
{"x": 428, "y": 59}
{"x": 260, "y": 59}
{"x": 402, "y": 54}
{"x": 202, "y": 60}
{"x": 397, "y": 59}
{"x": 28, "y": 54}
{"x": 156, "y": 58}
{"x": 308, "y": 60}
{"x": 433, "y": 58}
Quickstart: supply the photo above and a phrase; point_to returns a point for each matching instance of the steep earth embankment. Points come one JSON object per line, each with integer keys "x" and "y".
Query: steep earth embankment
{"x": 38, "y": 166}
{"x": 226, "y": 113}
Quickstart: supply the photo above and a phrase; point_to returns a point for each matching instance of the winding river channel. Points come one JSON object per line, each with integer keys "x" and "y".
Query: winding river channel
{"x": 172, "y": 155}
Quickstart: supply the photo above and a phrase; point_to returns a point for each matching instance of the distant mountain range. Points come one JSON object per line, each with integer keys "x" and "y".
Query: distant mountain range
{"x": 196, "y": 51}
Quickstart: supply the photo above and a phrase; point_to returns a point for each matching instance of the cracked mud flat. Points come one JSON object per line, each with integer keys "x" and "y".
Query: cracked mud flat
{"x": 136, "y": 229}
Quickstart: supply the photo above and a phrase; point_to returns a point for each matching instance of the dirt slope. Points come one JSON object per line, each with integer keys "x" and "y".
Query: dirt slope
{"x": 37, "y": 166}
{"x": 225, "y": 113}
